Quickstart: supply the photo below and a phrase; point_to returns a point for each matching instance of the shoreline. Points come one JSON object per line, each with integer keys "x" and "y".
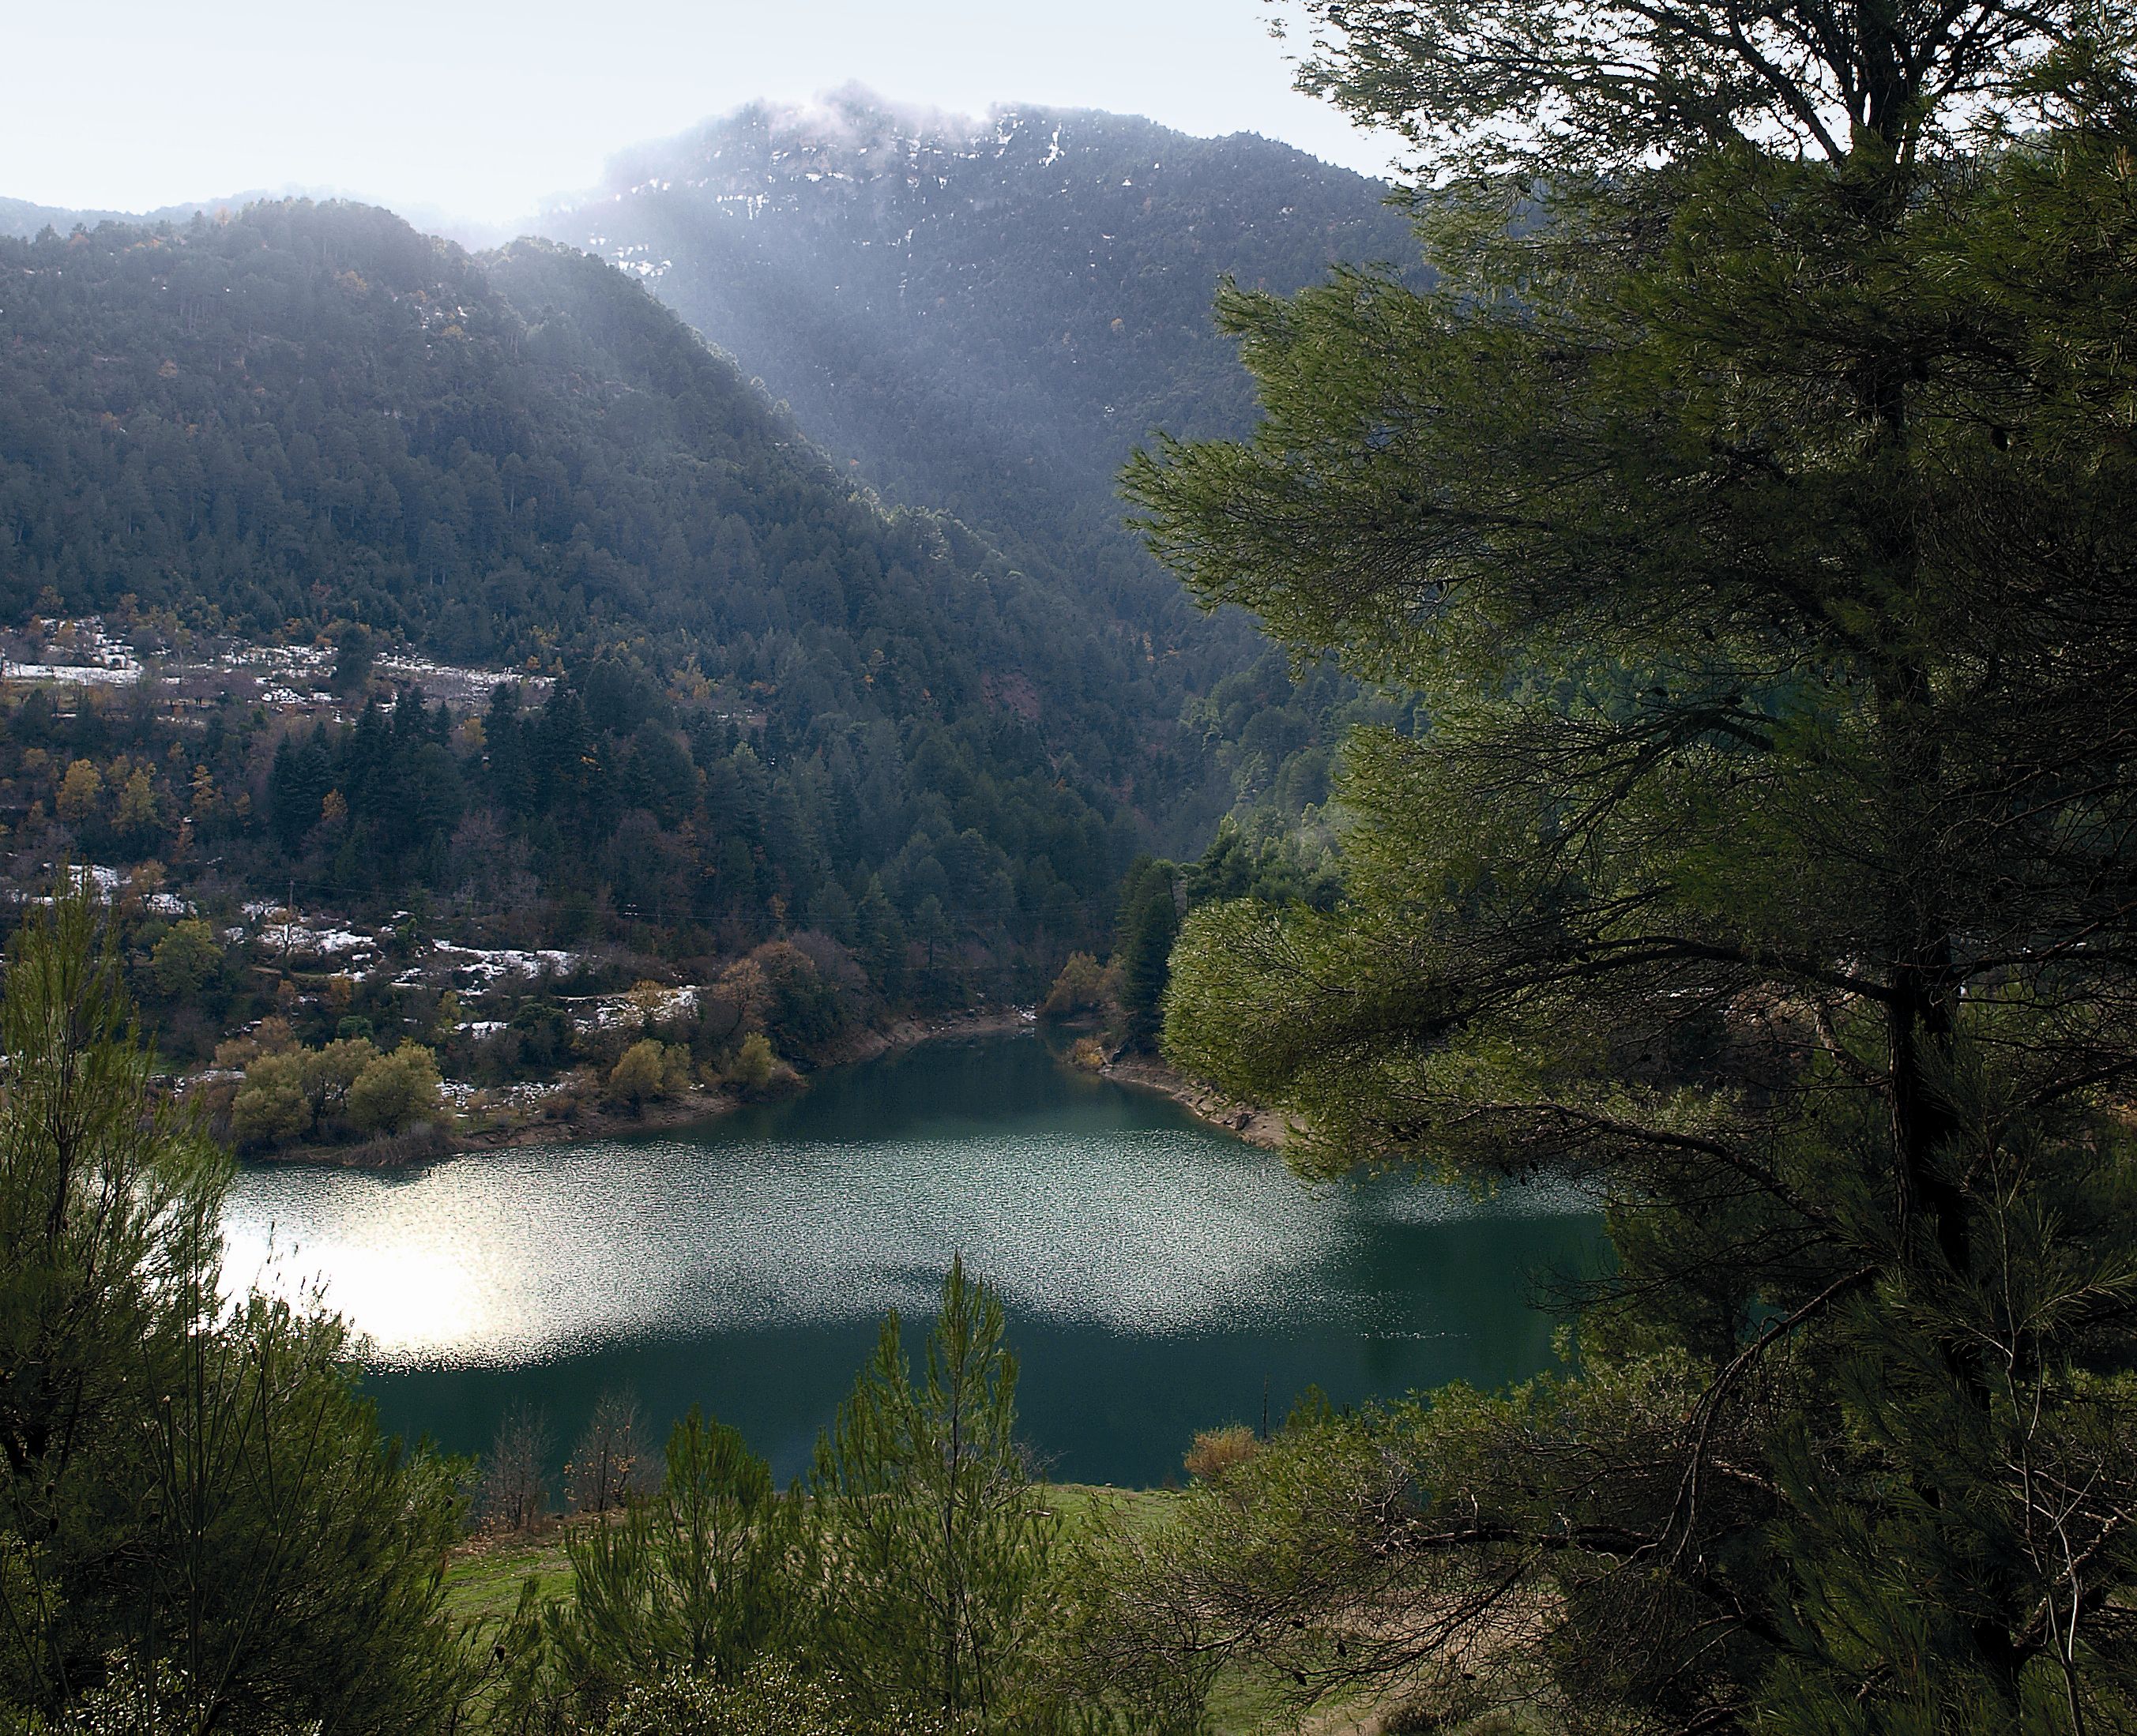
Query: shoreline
{"x": 706, "y": 1103}
{"x": 1256, "y": 1126}
{"x": 699, "y": 1103}
{"x": 905, "y": 1034}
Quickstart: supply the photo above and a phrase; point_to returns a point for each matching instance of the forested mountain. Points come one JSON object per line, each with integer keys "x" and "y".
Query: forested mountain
{"x": 780, "y": 703}
{"x": 24, "y": 218}
{"x": 988, "y": 316}
{"x": 310, "y": 418}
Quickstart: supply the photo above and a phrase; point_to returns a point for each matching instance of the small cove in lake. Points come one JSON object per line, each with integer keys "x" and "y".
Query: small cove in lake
{"x": 1161, "y": 1276}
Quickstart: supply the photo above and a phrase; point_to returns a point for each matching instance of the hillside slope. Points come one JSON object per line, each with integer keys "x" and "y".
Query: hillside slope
{"x": 987, "y": 316}
{"x": 314, "y": 413}
{"x": 312, "y": 416}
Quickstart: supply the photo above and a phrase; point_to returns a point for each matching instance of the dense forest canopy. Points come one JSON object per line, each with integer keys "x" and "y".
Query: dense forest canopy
{"x": 315, "y": 413}
{"x": 308, "y": 421}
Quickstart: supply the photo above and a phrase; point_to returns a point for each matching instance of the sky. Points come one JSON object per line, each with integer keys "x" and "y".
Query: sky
{"x": 481, "y": 111}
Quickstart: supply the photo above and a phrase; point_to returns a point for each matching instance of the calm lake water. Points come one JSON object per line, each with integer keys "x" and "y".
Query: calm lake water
{"x": 1159, "y": 1277}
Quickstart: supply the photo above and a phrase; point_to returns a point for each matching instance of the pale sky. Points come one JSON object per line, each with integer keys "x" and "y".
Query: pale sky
{"x": 481, "y": 110}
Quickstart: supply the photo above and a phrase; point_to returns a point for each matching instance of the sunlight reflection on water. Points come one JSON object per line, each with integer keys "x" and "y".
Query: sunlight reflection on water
{"x": 513, "y": 1256}
{"x": 1159, "y": 1277}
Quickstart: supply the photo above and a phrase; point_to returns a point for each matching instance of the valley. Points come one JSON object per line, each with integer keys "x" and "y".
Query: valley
{"x": 387, "y": 611}
{"x": 990, "y": 917}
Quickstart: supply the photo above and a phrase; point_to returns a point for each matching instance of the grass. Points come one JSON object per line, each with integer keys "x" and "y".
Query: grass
{"x": 483, "y": 1580}
{"x": 1077, "y": 1502}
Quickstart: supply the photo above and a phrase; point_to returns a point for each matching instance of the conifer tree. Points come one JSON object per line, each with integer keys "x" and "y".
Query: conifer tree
{"x": 1751, "y": 506}
{"x": 201, "y": 1527}
{"x": 698, "y": 1580}
{"x": 933, "y": 1533}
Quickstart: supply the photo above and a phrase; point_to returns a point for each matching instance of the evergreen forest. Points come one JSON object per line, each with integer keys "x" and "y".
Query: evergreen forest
{"x": 772, "y": 704}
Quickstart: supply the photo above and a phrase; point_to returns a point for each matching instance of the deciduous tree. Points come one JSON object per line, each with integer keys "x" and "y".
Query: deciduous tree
{"x": 395, "y": 1091}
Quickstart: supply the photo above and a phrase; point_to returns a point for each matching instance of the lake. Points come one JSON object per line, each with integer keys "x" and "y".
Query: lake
{"x": 1159, "y": 1277}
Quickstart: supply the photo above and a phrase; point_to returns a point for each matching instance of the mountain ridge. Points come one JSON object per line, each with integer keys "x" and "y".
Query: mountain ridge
{"x": 898, "y": 553}
{"x": 985, "y": 315}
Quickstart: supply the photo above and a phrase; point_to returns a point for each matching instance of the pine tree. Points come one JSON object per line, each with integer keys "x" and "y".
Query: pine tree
{"x": 1748, "y": 508}
{"x": 699, "y": 1580}
{"x": 199, "y": 1519}
{"x": 932, "y": 1529}
{"x": 1149, "y": 924}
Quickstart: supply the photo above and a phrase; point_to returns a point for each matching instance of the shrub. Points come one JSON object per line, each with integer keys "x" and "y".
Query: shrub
{"x": 1083, "y": 987}
{"x": 543, "y": 1034}
{"x": 641, "y": 1072}
{"x": 272, "y": 1104}
{"x": 186, "y": 957}
{"x": 770, "y": 1699}
{"x": 754, "y": 1062}
{"x": 271, "y": 1036}
{"x": 1217, "y": 1451}
{"x": 395, "y": 1091}
{"x": 331, "y": 1073}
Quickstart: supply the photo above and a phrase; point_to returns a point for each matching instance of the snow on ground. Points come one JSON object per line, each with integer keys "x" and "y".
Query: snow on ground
{"x": 517, "y": 1099}
{"x": 612, "y": 1011}
{"x": 462, "y": 688}
{"x": 85, "y": 653}
{"x": 71, "y": 653}
{"x": 489, "y": 965}
{"x": 300, "y": 942}
{"x": 72, "y": 674}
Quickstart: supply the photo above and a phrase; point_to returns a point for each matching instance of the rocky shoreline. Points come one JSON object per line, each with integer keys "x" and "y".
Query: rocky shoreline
{"x": 1263, "y": 1127}
{"x": 905, "y": 1034}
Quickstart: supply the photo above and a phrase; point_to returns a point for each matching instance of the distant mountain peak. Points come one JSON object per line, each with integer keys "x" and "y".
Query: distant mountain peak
{"x": 985, "y": 314}
{"x": 854, "y": 133}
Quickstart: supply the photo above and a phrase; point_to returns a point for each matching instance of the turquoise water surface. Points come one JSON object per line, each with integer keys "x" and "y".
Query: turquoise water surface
{"x": 1161, "y": 1277}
